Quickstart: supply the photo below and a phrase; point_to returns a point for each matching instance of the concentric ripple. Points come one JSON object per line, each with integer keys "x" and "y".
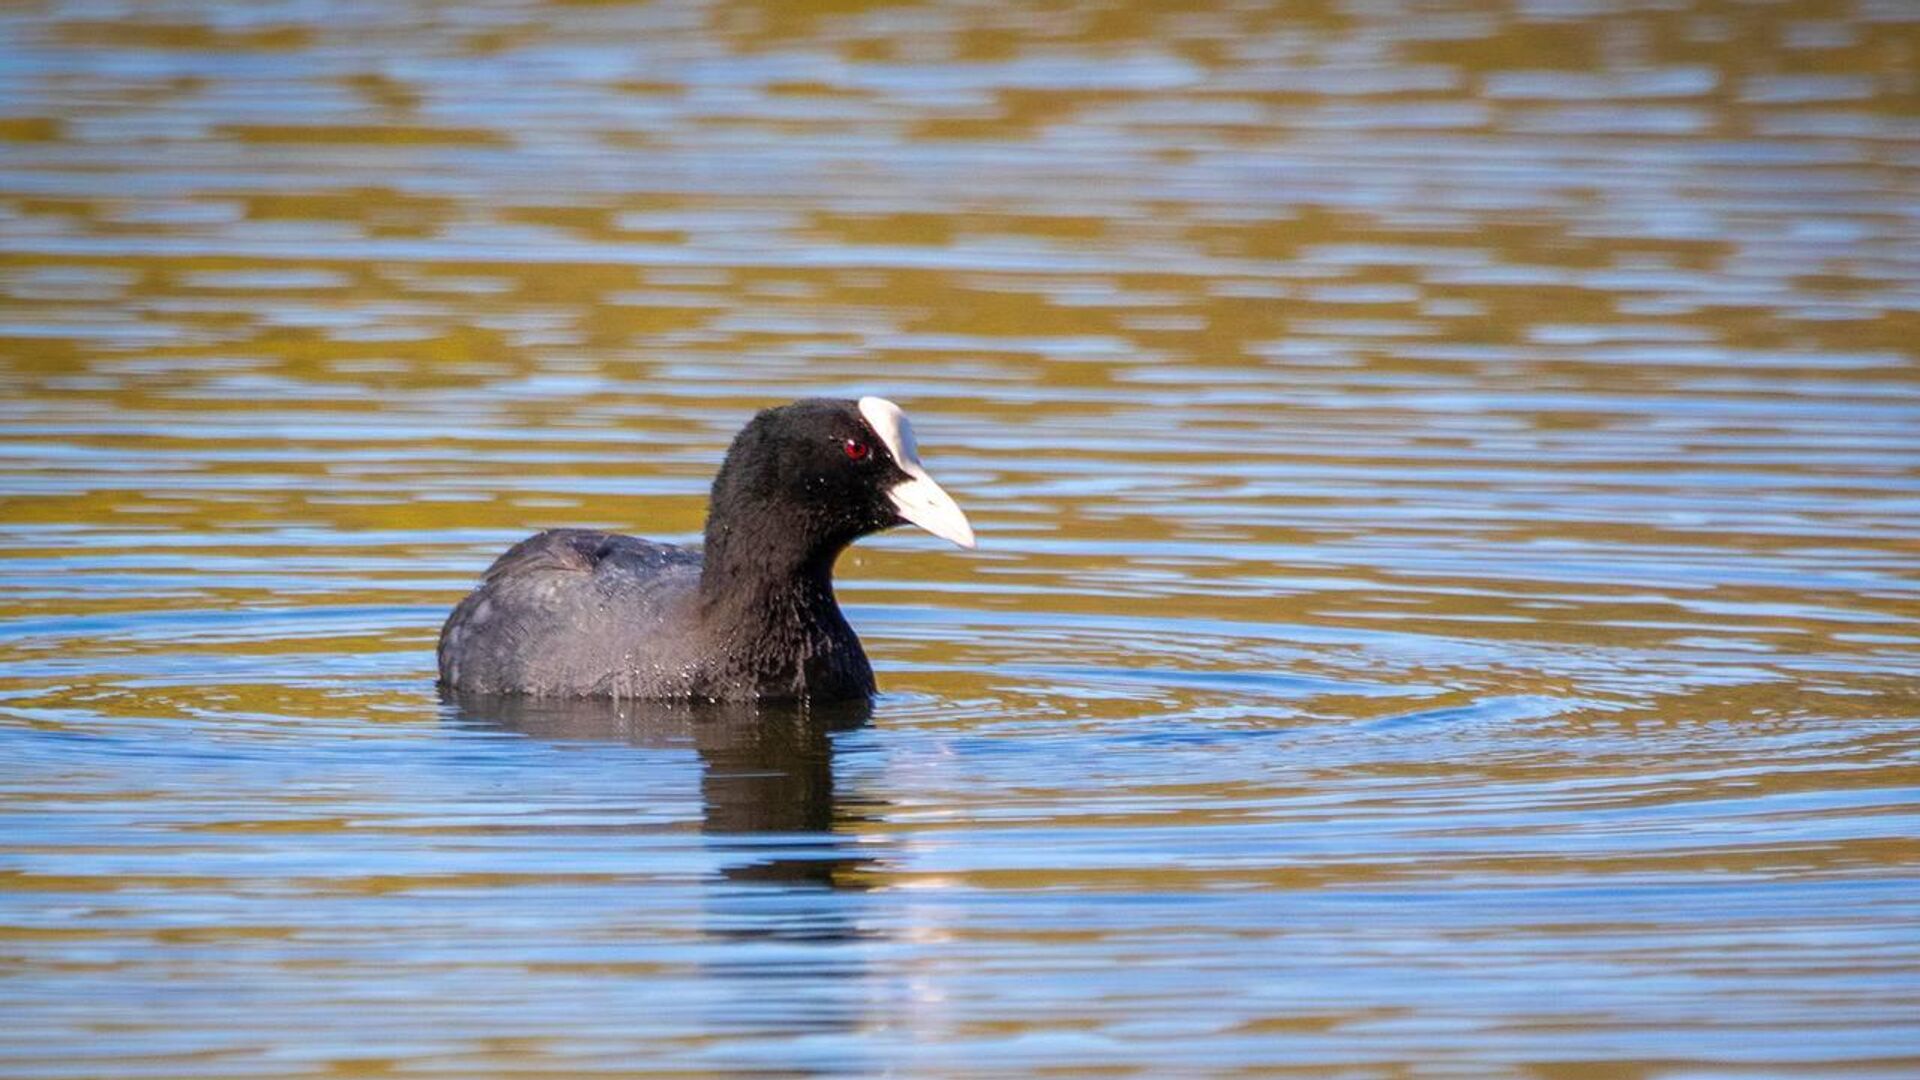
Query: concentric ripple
{"x": 1448, "y": 601}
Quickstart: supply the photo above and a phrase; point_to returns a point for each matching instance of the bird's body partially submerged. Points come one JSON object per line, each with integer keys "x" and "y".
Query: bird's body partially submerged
{"x": 573, "y": 613}
{"x": 577, "y": 613}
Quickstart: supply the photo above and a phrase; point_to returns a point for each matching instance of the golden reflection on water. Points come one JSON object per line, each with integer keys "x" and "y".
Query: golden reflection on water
{"x": 1450, "y": 510}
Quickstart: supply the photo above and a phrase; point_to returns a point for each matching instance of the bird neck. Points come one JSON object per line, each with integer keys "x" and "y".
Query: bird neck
{"x": 765, "y": 566}
{"x": 767, "y": 603}
{"x": 777, "y": 622}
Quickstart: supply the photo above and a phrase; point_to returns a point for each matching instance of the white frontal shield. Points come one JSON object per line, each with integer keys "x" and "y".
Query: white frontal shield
{"x": 918, "y": 498}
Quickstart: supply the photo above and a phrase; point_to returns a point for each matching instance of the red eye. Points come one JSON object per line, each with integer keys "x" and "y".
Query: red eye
{"x": 858, "y": 450}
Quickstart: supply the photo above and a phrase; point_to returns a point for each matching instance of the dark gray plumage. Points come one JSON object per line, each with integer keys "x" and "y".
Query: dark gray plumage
{"x": 578, "y": 613}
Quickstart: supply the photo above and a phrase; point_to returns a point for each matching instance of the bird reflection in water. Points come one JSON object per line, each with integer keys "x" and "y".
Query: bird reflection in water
{"x": 784, "y": 921}
{"x": 766, "y": 781}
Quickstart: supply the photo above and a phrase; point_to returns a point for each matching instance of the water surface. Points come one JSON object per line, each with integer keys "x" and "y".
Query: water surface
{"x": 1448, "y": 479}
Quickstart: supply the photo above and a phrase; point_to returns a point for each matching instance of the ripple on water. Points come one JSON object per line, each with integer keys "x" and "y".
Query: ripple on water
{"x": 1447, "y": 489}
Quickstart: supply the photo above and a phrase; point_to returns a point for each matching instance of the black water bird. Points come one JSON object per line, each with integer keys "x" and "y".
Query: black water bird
{"x": 579, "y": 613}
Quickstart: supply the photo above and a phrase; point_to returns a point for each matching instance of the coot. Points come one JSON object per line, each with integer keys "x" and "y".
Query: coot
{"x": 579, "y": 613}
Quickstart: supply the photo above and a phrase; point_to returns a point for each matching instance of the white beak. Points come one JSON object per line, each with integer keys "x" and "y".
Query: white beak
{"x": 927, "y": 505}
{"x": 917, "y": 498}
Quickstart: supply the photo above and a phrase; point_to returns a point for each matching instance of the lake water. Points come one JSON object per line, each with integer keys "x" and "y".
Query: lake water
{"x": 1448, "y": 476}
